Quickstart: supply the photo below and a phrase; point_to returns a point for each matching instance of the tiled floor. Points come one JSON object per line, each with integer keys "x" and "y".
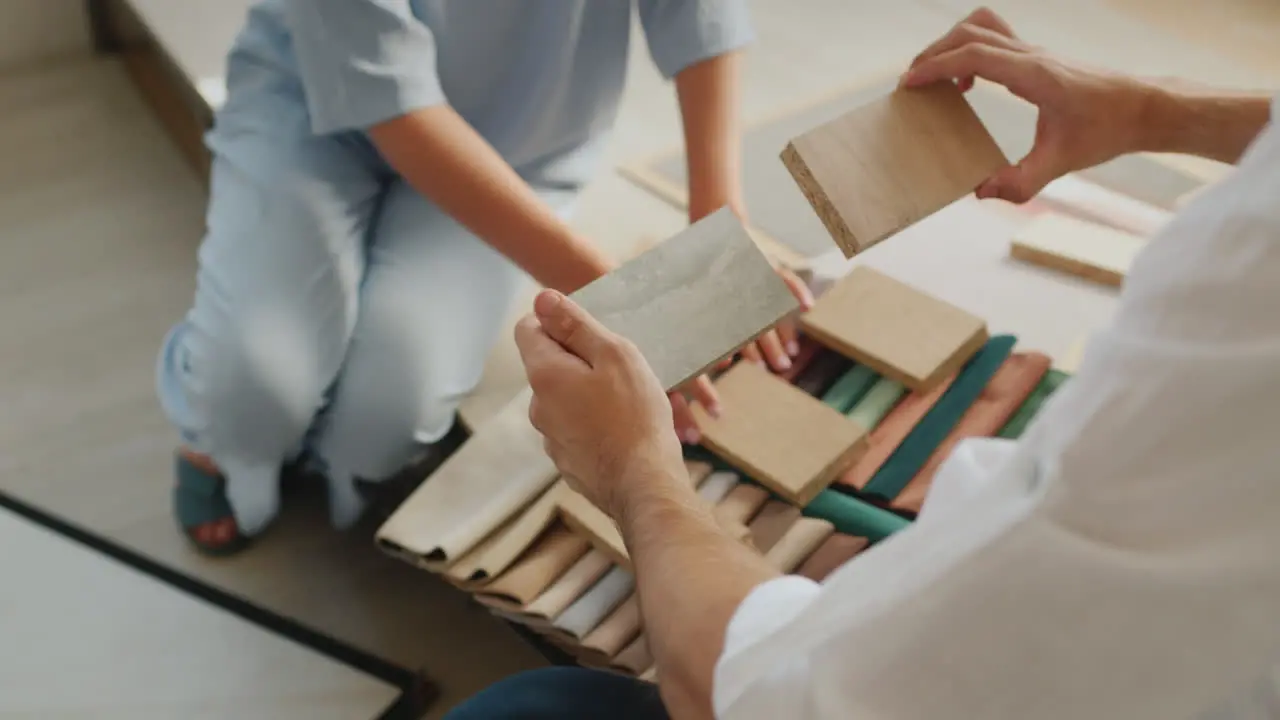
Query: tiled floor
{"x": 99, "y": 219}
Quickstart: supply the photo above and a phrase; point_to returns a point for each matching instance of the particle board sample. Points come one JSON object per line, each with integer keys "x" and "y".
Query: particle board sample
{"x": 541, "y": 565}
{"x": 892, "y": 162}
{"x": 1078, "y": 247}
{"x": 783, "y": 438}
{"x": 999, "y": 400}
{"x": 692, "y": 300}
{"x": 709, "y": 287}
{"x": 798, "y": 543}
{"x": 897, "y": 330}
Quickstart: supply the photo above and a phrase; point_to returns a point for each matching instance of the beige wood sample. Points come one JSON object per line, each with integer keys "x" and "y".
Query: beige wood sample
{"x": 781, "y": 436}
{"x": 541, "y": 565}
{"x": 496, "y": 552}
{"x": 685, "y": 304}
{"x": 892, "y": 162}
{"x": 570, "y": 586}
{"x": 798, "y": 542}
{"x": 692, "y": 300}
{"x": 898, "y": 331}
{"x": 1078, "y": 247}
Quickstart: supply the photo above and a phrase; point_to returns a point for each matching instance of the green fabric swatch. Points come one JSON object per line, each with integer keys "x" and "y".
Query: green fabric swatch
{"x": 876, "y": 403}
{"x": 1030, "y": 407}
{"x": 852, "y": 516}
{"x": 850, "y": 388}
{"x": 920, "y": 443}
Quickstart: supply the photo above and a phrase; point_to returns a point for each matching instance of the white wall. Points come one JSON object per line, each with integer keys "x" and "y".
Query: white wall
{"x": 31, "y": 30}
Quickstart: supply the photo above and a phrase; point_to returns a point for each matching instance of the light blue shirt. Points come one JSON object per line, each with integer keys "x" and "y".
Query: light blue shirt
{"x": 539, "y": 79}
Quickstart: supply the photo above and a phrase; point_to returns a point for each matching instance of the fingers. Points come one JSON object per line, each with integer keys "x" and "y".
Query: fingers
{"x": 1020, "y": 72}
{"x": 571, "y": 326}
{"x": 686, "y": 425}
{"x": 797, "y": 287}
{"x": 1019, "y": 183}
{"x": 539, "y": 352}
{"x": 704, "y": 391}
{"x": 966, "y": 33}
{"x": 789, "y": 334}
{"x": 751, "y": 353}
{"x": 771, "y": 347}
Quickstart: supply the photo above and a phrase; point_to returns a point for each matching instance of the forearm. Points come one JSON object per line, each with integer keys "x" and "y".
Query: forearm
{"x": 446, "y": 160}
{"x": 708, "y": 94}
{"x": 692, "y": 576}
{"x": 1183, "y": 118}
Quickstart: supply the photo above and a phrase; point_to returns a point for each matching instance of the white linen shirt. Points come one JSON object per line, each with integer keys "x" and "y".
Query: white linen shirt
{"x": 1121, "y": 560}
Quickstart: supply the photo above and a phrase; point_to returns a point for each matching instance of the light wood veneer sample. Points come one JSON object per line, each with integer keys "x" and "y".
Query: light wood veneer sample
{"x": 692, "y": 300}
{"x": 897, "y": 330}
{"x": 892, "y": 162}
{"x": 1077, "y": 247}
{"x": 541, "y": 565}
{"x": 890, "y": 433}
{"x": 783, "y": 438}
{"x": 999, "y": 400}
{"x": 685, "y": 304}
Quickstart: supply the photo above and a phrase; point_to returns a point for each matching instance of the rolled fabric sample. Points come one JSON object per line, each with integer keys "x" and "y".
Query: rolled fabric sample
{"x": 879, "y": 399}
{"x": 834, "y": 552}
{"x": 741, "y": 504}
{"x": 635, "y": 658}
{"x": 616, "y": 631}
{"x": 852, "y": 516}
{"x": 1017, "y": 424}
{"x": 541, "y": 565}
{"x": 771, "y": 523}
{"x": 809, "y": 349}
{"x": 889, "y": 433}
{"x": 798, "y": 543}
{"x": 919, "y": 445}
{"x": 571, "y": 586}
{"x": 1012, "y": 383}
{"x": 822, "y": 372}
{"x": 849, "y": 388}
{"x": 585, "y": 613}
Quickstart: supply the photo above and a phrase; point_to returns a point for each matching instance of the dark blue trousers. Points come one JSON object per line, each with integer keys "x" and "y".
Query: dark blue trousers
{"x": 564, "y": 693}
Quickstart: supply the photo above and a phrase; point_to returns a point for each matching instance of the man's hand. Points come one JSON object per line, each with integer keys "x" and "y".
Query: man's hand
{"x": 601, "y": 410}
{"x": 1086, "y": 116}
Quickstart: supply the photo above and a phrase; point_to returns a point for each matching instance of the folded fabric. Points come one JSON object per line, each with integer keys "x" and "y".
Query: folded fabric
{"x": 798, "y": 543}
{"x": 1008, "y": 388}
{"x": 920, "y": 443}
{"x": 1017, "y": 424}
{"x": 584, "y": 614}
{"x": 834, "y": 552}
{"x": 849, "y": 388}
{"x": 852, "y": 516}
{"x": 889, "y": 433}
{"x": 771, "y": 523}
{"x": 545, "y": 562}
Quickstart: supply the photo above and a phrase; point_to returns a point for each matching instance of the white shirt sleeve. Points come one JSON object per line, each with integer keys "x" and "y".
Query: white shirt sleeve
{"x": 1122, "y": 560}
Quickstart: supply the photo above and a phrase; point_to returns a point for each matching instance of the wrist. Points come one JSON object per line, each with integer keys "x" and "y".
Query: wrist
{"x": 648, "y": 488}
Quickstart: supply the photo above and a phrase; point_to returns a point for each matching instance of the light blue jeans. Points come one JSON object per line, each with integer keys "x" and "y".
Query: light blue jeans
{"x": 337, "y": 314}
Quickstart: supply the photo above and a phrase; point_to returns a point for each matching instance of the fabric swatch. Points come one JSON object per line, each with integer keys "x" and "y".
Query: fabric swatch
{"x": 1049, "y": 384}
{"x": 849, "y": 388}
{"x": 834, "y": 552}
{"x": 879, "y": 399}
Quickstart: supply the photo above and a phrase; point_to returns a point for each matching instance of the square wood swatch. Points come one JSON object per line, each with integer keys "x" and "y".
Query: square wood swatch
{"x": 892, "y": 162}
{"x": 897, "y": 330}
{"x": 692, "y": 300}
{"x": 787, "y": 440}
{"x": 685, "y": 304}
{"x": 1078, "y": 247}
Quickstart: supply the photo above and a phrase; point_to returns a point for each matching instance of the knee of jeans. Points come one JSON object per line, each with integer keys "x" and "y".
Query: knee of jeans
{"x": 564, "y": 692}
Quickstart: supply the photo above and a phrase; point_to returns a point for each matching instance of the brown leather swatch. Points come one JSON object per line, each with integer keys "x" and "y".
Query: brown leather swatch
{"x": 540, "y": 566}
{"x": 771, "y": 523}
{"x": 834, "y": 552}
{"x": 635, "y": 658}
{"x": 999, "y": 400}
{"x": 890, "y": 433}
{"x": 798, "y": 543}
{"x": 618, "y": 630}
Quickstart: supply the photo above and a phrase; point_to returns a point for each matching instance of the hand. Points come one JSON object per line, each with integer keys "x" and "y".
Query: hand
{"x": 600, "y": 408}
{"x": 779, "y": 345}
{"x": 1086, "y": 116}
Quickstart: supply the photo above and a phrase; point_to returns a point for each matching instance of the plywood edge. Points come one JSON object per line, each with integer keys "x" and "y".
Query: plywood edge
{"x": 1041, "y": 257}
{"x": 793, "y": 160}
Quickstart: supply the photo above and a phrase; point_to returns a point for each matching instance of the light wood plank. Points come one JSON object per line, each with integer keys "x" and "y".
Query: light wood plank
{"x": 892, "y": 162}
{"x": 1078, "y": 247}
{"x": 781, "y": 436}
{"x": 897, "y": 330}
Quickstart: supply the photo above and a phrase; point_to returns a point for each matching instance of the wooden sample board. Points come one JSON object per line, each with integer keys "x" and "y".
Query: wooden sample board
{"x": 784, "y": 438}
{"x": 1077, "y": 247}
{"x": 897, "y": 330}
{"x": 892, "y": 162}
{"x": 685, "y": 304}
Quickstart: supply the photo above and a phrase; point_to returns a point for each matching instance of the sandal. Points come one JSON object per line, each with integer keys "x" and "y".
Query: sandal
{"x": 203, "y": 512}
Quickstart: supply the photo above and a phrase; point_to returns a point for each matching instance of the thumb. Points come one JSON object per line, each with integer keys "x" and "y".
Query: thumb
{"x": 1019, "y": 183}
{"x": 568, "y": 324}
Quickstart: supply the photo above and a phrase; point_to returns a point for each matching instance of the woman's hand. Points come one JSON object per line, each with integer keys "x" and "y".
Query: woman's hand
{"x": 1086, "y": 116}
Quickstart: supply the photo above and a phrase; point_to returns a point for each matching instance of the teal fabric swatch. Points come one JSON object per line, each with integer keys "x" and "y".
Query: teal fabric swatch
{"x": 1030, "y": 407}
{"x": 822, "y": 372}
{"x": 920, "y": 443}
{"x": 876, "y": 403}
{"x": 850, "y": 388}
{"x": 852, "y": 516}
